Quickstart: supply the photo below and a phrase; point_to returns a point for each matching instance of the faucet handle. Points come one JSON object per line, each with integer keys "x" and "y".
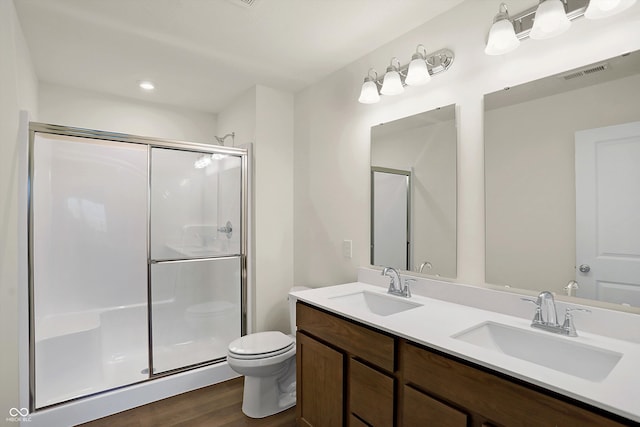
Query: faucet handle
{"x": 406, "y": 289}
{"x": 568, "y": 325}
{"x": 537, "y": 318}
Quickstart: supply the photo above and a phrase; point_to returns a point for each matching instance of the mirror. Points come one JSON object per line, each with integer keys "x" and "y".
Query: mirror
{"x": 413, "y": 193}
{"x": 562, "y": 183}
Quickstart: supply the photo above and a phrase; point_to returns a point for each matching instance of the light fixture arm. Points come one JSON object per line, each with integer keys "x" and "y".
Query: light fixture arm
{"x": 523, "y": 21}
{"x": 422, "y": 55}
{"x": 392, "y": 66}
{"x": 503, "y": 13}
{"x": 377, "y": 80}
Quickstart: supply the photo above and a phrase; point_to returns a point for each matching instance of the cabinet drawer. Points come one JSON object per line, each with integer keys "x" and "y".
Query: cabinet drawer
{"x": 421, "y": 410}
{"x": 357, "y": 340}
{"x": 370, "y": 394}
{"x": 491, "y": 396}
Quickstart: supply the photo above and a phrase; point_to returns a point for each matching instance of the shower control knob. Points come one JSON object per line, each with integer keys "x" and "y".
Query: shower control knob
{"x": 584, "y": 268}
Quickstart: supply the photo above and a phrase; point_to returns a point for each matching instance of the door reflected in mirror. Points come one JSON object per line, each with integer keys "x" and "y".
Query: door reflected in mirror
{"x": 562, "y": 183}
{"x": 413, "y": 193}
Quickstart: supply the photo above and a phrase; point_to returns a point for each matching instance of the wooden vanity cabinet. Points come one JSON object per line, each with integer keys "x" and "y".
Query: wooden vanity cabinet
{"x": 343, "y": 368}
{"x": 352, "y": 375}
{"x": 487, "y": 398}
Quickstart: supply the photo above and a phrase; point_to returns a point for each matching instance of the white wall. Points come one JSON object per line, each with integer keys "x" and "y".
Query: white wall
{"x": 332, "y": 129}
{"x": 264, "y": 116}
{"x": 531, "y": 194}
{"x": 18, "y": 89}
{"x": 274, "y": 173}
{"x": 62, "y": 105}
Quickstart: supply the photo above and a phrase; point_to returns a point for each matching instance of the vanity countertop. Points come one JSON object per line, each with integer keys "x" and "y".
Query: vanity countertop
{"x": 436, "y": 322}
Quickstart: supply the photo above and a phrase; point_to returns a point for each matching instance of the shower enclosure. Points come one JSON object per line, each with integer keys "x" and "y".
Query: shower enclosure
{"x": 137, "y": 259}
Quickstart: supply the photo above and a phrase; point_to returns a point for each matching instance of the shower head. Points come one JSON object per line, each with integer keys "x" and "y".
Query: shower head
{"x": 221, "y": 139}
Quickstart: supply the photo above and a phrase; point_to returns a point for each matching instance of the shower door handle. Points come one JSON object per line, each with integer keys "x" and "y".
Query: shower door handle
{"x": 227, "y": 229}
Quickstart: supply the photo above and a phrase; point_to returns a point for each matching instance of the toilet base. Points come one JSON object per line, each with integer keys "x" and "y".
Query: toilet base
{"x": 265, "y": 396}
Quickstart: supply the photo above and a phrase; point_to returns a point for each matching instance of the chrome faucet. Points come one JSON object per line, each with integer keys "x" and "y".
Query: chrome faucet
{"x": 546, "y": 316}
{"x": 423, "y": 265}
{"x": 395, "y": 285}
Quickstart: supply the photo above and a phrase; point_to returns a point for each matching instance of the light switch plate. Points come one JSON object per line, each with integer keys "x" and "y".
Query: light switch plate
{"x": 347, "y": 248}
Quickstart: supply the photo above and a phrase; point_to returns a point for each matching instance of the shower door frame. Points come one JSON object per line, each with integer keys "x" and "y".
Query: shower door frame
{"x": 150, "y": 143}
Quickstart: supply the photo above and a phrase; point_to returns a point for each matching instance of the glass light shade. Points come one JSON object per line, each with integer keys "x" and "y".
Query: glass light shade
{"x": 369, "y": 92}
{"x": 391, "y": 85}
{"x": 418, "y": 73}
{"x": 550, "y": 20}
{"x": 502, "y": 38}
{"x": 598, "y": 9}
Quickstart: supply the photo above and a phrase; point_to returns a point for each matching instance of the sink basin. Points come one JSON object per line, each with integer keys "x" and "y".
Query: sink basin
{"x": 380, "y": 304}
{"x": 560, "y": 354}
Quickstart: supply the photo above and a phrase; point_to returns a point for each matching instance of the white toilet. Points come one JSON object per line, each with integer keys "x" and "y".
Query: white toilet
{"x": 268, "y": 362}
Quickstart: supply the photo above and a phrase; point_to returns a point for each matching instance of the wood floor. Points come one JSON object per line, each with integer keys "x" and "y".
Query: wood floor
{"x": 214, "y": 406}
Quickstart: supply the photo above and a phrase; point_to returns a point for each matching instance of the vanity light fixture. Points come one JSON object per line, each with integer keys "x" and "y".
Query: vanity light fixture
{"x": 546, "y": 20}
{"x": 417, "y": 72}
{"x": 502, "y": 35}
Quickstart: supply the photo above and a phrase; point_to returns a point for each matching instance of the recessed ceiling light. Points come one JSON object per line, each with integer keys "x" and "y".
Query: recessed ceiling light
{"x": 146, "y": 85}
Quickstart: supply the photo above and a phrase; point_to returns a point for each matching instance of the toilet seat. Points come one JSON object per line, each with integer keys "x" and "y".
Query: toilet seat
{"x": 261, "y": 345}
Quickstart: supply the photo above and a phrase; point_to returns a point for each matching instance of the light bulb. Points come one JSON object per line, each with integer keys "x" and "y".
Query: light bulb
{"x": 550, "y": 20}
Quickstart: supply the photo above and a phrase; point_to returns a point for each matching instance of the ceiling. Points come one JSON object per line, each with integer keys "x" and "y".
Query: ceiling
{"x": 202, "y": 54}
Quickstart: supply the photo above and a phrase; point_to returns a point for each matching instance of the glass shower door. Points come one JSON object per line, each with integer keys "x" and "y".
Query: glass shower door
{"x": 88, "y": 232}
{"x": 195, "y": 251}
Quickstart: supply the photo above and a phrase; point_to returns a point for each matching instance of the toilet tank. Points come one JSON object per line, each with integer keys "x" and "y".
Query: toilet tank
{"x": 292, "y": 307}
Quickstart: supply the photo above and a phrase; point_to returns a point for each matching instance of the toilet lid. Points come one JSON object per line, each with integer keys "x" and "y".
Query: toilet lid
{"x": 261, "y": 344}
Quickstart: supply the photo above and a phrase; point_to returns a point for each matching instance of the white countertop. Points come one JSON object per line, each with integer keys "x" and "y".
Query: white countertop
{"x": 434, "y": 323}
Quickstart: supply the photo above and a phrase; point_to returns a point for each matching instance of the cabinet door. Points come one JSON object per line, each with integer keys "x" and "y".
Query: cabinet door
{"x": 422, "y": 410}
{"x": 370, "y": 395}
{"x": 319, "y": 384}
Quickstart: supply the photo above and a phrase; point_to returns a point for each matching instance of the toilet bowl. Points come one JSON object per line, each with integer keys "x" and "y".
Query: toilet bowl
{"x": 268, "y": 362}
